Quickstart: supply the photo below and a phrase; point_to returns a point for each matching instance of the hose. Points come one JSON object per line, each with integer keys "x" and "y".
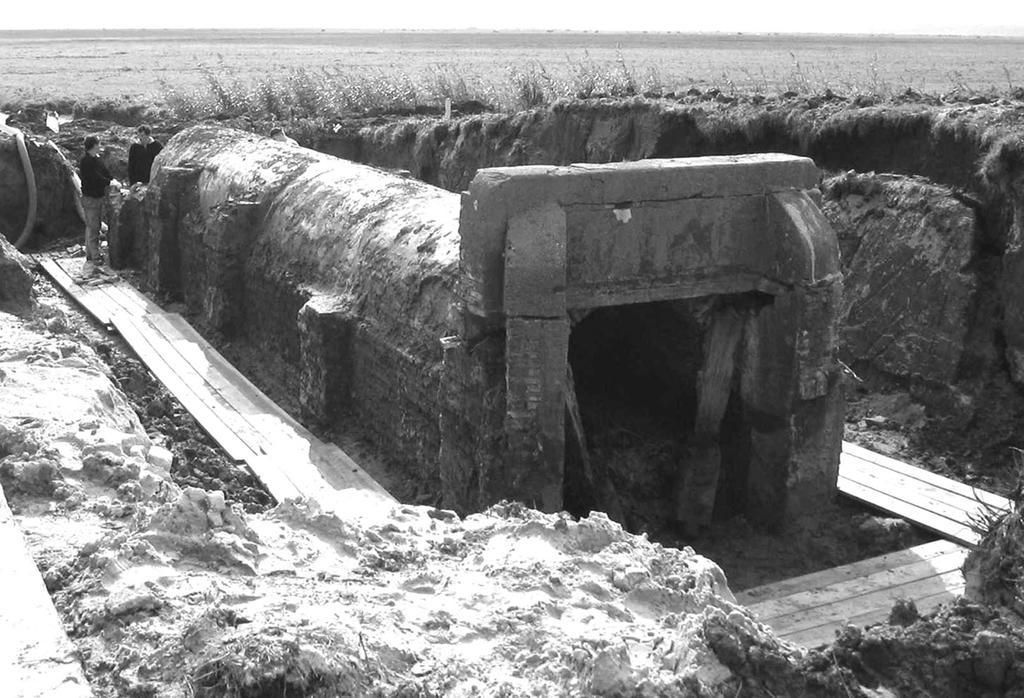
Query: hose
{"x": 30, "y": 183}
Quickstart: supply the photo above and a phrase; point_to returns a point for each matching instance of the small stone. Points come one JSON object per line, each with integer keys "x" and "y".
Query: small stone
{"x": 442, "y": 514}
{"x": 422, "y": 668}
{"x": 130, "y": 491}
{"x": 129, "y": 601}
{"x": 613, "y": 672}
{"x": 216, "y": 499}
{"x": 630, "y": 578}
{"x": 160, "y": 457}
{"x": 56, "y": 324}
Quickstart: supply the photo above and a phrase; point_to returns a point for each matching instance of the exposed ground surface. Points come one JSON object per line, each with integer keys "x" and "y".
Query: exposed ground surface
{"x": 171, "y": 590}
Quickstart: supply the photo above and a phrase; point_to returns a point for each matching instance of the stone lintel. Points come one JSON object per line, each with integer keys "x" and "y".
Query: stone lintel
{"x": 657, "y": 179}
{"x": 799, "y": 246}
{"x": 535, "y": 263}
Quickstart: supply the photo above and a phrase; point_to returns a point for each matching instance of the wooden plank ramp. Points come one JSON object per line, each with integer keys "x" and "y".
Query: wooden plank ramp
{"x": 288, "y": 458}
{"x": 946, "y": 507}
{"x": 37, "y": 660}
{"x": 250, "y": 427}
{"x": 92, "y": 298}
{"x": 808, "y": 610}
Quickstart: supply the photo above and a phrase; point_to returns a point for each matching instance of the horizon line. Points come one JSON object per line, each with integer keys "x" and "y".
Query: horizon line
{"x": 981, "y": 32}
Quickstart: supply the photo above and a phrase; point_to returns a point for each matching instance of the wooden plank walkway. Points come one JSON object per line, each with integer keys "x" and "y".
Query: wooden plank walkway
{"x": 808, "y": 610}
{"x": 250, "y": 427}
{"x": 37, "y": 660}
{"x": 239, "y": 410}
{"x": 91, "y": 297}
{"x": 946, "y": 507}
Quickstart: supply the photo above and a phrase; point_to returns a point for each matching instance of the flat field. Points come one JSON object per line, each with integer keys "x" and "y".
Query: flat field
{"x": 143, "y": 66}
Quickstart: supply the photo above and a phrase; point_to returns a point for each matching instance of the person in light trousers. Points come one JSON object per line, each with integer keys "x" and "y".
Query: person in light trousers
{"x": 95, "y": 180}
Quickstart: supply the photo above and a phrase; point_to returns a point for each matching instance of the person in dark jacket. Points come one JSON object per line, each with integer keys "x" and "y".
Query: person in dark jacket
{"x": 141, "y": 156}
{"x": 95, "y": 180}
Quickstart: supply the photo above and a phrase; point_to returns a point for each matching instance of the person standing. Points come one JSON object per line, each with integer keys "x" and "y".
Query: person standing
{"x": 141, "y": 155}
{"x": 95, "y": 180}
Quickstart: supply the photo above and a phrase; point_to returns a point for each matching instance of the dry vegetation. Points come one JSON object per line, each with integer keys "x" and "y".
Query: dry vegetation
{"x": 306, "y": 93}
{"x": 263, "y": 75}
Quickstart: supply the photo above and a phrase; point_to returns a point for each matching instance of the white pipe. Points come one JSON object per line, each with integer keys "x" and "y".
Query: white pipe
{"x": 30, "y": 182}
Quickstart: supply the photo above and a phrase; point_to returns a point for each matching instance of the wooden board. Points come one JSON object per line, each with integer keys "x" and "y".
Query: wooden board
{"x": 37, "y": 660}
{"x": 854, "y": 589}
{"x": 155, "y": 355}
{"x": 958, "y": 513}
{"x": 809, "y": 609}
{"x": 126, "y": 298}
{"x": 924, "y": 494}
{"x": 949, "y": 508}
{"x": 92, "y": 298}
{"x": 876, "y": 604}
{"x": 922, "y": 475}
{"x": 845, "y": 573}
{"x": 961, "y": 533}
{"x": 824, "y": 634}
{"x": 271, "y": 431}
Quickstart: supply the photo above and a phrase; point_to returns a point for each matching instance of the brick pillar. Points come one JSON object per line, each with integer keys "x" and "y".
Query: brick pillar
{"x": 325, "y": 364}
{"x": 536, "y": 357}
{"x": 177, "y": 197}
{"x": 214, "y": 255}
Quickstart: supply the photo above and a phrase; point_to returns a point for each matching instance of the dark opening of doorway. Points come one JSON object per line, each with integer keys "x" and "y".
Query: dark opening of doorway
{"x": 636, "y": 371}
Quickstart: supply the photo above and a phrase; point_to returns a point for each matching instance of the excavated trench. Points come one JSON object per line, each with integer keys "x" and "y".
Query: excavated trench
{"x": 669, "y": 328}
{"x": 943, "y": 143}
{"x": 636, "y": 366}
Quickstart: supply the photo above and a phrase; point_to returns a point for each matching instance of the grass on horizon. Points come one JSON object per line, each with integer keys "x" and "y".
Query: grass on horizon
{"x": 329, "y": 92}
{"x": 305, "y": 93}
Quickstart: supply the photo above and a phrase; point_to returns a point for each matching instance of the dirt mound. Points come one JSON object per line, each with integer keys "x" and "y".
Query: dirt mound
{"x": 57, "y": 214}
{"x": 167, "y": 590}
{"x": 15, "y": 278}
{"x": 995, "y": 570}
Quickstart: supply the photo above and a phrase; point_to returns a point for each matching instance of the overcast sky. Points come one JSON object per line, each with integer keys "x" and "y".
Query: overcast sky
{"x": 853, "y": 16}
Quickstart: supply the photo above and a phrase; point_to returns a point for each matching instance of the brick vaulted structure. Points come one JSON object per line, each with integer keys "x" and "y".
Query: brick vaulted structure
{"x": 655, "y": 339}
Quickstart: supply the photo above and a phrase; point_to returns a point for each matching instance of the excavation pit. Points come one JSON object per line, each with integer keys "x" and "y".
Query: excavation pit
{"x": 655, "y": 339}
